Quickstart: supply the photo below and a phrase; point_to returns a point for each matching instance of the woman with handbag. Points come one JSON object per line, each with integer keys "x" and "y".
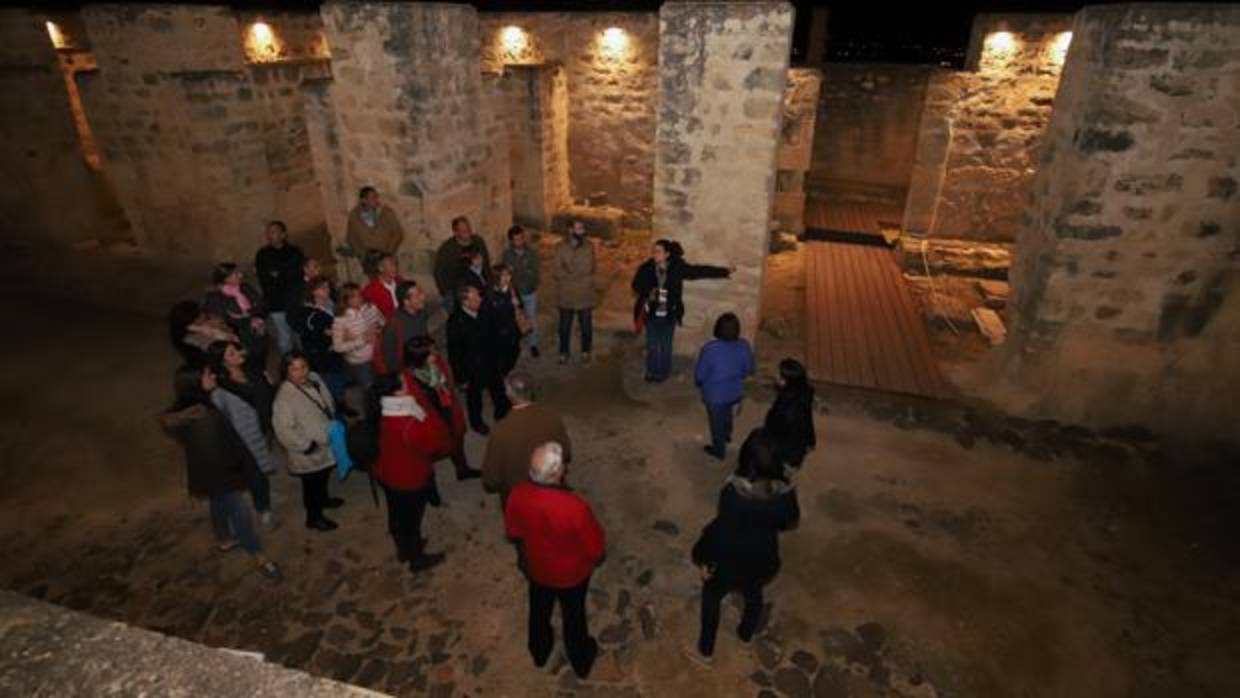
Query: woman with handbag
{"x": 217, "y": 464}
{"x": 507, "y": 318}
{"x": 739, "y": 549}
{"x": 302, "y": 415}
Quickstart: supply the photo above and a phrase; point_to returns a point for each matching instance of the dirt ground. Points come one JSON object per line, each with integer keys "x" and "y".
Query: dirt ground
{"x": 930, "y": 561}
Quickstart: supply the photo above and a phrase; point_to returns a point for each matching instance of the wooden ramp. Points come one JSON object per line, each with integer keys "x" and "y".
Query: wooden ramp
{"x": 863, "y": 326}
{"x": 850, "y": 221}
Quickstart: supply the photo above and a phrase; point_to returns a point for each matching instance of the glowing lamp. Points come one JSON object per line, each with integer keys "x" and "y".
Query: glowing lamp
{"x": 1059, "y": 49}
{"x": 514, "y": 39}
{"x": 58, "y": 38}
{"x": 614, "y": 41}
{"x": 1001, "y": 42}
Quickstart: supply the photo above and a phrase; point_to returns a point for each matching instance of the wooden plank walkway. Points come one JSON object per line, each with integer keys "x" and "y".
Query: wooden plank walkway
{"x": 826, "y": 218}
{"x": 863, "y": 326}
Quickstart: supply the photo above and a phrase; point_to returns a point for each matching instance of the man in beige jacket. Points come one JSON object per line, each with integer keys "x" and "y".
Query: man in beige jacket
{"x": 374, "y": 230}
{"x": 573, "y": 270}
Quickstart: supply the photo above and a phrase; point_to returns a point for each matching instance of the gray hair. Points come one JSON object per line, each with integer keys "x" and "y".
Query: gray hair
{"x": 547, "y": 463}
{"x": 520, "y": 386}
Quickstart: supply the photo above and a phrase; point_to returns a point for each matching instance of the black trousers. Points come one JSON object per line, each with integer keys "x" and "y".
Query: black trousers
{"x": 499, "y": 398}
{"x": 314, "y": 493}
{"x": 578, "y": 645}
{"x": 405, "y": 512}
{"x": 585, "y": 320}
{"x": 713, "y": 592}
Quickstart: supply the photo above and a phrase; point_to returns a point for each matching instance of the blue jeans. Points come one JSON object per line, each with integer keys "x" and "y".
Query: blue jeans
{"x": 230, "y": 517}
{"x": 584, "y": 319}
{"x": 529, "y": 303}
{"x": 659, "y": 335}
{"x": 361, "y": 375}
{"x": 335, "y": 382}
{"x": 720, "y": 417}
{"x": 260, "y": 490}
{"x": 286, "y": 339}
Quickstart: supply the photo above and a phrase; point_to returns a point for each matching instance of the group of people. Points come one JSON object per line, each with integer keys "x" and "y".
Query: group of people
{"x": 232, "y": 419}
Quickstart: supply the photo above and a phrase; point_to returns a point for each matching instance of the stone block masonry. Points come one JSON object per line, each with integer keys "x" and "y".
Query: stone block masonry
{"x": 610, "y": 67}
{"x": 722, "y": 73}
{"x": 1126, "y": 285}
{"x": 47, "y": 191}
{"x": 413, "y": 119}
{"x": 980, "y": 130}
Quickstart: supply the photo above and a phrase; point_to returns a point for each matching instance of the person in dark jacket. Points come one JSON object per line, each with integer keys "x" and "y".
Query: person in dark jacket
{"x": 658, "y": 289}
{"x": 313, "y": 322}
{"x": 192, "y": 332}
{"x": 240, "y": 305}
{"x": 561, "y": 544}
{"x": 411, "y": 438}
{"x": 474, "y": 270}
{"x": 501, "y": 307}
{"x": 448, "y": 260}
{"x": 246, "y": 397}
{"x": 790, "y": 421}
{"x": 217, "y": 463}
{"x": 475, "y": 363}
{"x": 407, "y": 322}
{"x": 722, "y": 367}
{"x": 739, "y": 549}
{"x": 278, "y": 267}
{"x": 522, "y": 258}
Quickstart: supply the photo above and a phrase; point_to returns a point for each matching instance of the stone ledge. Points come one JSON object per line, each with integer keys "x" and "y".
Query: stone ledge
{"x": 49, "y": 650}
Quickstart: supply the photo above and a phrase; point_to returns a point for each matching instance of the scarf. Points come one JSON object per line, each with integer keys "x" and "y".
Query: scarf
{"x": 235, "y": 293}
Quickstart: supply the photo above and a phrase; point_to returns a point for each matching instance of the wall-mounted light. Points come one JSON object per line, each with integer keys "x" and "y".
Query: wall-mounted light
{"x": 58, "y": 37}
{"x": 1000, "y": 42}
{"x": 614, "y": 42}
{"x": 514, "y": 39}
{"x": 261, "y": 44}
{"x": 1059, "y": 49}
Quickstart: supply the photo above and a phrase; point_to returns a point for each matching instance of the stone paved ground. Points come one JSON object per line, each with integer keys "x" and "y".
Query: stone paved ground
{"x": 942, "y": 552}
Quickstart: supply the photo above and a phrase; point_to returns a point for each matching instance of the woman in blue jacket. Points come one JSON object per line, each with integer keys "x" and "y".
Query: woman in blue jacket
{"x": 722, "y": 367}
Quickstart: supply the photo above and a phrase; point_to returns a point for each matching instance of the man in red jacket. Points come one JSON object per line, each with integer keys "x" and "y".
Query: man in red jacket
{"x": 381, "y": 291}
{"x": 561, "y": 544}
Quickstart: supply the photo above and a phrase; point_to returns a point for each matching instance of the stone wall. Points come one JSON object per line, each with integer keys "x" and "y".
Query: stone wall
{"x": 610, "y": 64}
{"x": 203, "y": 148}
{"x": 980, "y": 130}
{"x": 47, "y": 190}
{"x": 535, "y": 108}
{"x": 412, "y": 119}
{"x": 796, "y": 147}
{"x": 866, "y": 136}
{"x": 722, "y": 72}
{"x": 1126, "y": 287}
{"x": 282, "y": 37}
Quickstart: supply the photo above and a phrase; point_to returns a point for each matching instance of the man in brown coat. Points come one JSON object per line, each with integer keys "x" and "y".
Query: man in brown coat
{"x": 374, "y": 230}
{"x": 573, "y": 270}
{"x": 526, "y": 427}
{"x": 448, "y": 263}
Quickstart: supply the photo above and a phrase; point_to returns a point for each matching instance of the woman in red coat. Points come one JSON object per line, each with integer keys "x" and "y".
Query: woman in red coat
{"x": 429, "y": 380}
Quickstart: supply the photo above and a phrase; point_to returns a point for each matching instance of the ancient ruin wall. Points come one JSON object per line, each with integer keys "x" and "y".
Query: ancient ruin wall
{"x": 1127, "y": 282}
{"x": 796, "y": 147}
{"x": 980, "y": 131}
{"x": 47, "y": 191}
{"x": 413, "y": 119}
{"x": 866, "y": 136}
{"x": 722, "y": 72}
{"x": 612, "y": 90}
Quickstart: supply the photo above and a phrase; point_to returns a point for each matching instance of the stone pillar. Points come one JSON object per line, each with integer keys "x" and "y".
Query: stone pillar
{"x": 412, "y": 119}
{"x": 722, "y": 72}
{"x": 934, "y": 138}
{"x": 796, "y": 148}
{"x": 1126, "y": 287}
{"x": 47, "y": 192}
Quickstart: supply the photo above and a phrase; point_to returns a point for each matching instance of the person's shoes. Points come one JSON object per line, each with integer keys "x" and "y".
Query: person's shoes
{"x": 482, "y": 428}
{"x": 534, "y": 352}
{"x": 710, "y": 451}
{"x": 322, "y": 524}
{"x": 585, "y": 357}
{"x": 424, "y": 562}
{"x": 268, "y": 521}
{"x": 705, "y": 661}
{"x": 584, "y": 671}
{"x": 541, "y": 662}
{"x": 269, "y": 570}
{"x": 468, "y": 474}
{"x": 433, "y": 498}
{"x": 227, "y": 545}
{"x": 563, "y": 359}
{"x": 333, "y": 503}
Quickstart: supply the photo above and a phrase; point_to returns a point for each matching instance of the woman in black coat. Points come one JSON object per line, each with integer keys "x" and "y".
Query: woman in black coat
{"x": 217, "y": 464}
{"x": 658, "y": 289}
{"x": 790, "y": 421}
{"x": 500, "y": 309}
{"x": 313, "y": 324}
{"x": 739, "y": 550}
